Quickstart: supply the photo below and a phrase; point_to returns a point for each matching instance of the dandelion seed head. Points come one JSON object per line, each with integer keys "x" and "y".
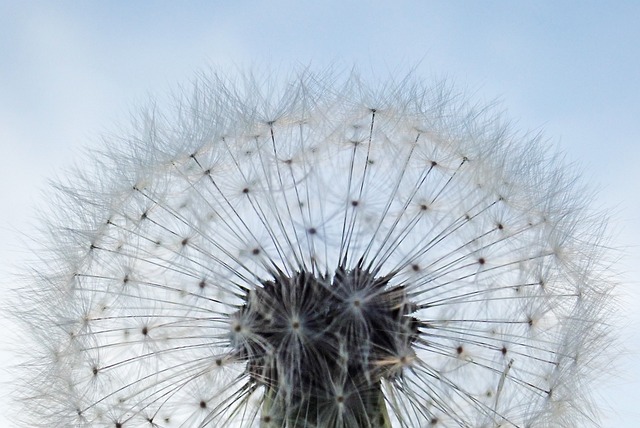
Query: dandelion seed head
{"x": 317, "y": 254}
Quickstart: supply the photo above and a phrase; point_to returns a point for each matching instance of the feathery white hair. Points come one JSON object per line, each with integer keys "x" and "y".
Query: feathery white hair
{"x": 319, "y": 253}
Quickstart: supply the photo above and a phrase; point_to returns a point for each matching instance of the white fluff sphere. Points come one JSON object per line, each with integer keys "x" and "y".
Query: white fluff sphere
{"x": 318, "y": 253}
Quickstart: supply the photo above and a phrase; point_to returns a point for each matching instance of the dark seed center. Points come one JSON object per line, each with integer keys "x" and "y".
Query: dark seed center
{"x": 337, "y": 350}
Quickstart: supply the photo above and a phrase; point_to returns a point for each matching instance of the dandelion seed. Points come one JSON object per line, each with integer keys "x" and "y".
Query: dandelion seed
{"x": 322, "y": 256}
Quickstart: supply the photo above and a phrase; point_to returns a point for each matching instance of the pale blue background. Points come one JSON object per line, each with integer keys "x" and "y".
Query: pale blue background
{"x": 70, "y": 70}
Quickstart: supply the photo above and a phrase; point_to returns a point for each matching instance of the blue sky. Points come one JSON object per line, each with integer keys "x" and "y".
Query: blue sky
{"x": 71, "y": 70}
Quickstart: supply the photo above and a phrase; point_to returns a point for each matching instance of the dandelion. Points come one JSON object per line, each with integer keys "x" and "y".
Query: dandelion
{"x": 317, "y": 254}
